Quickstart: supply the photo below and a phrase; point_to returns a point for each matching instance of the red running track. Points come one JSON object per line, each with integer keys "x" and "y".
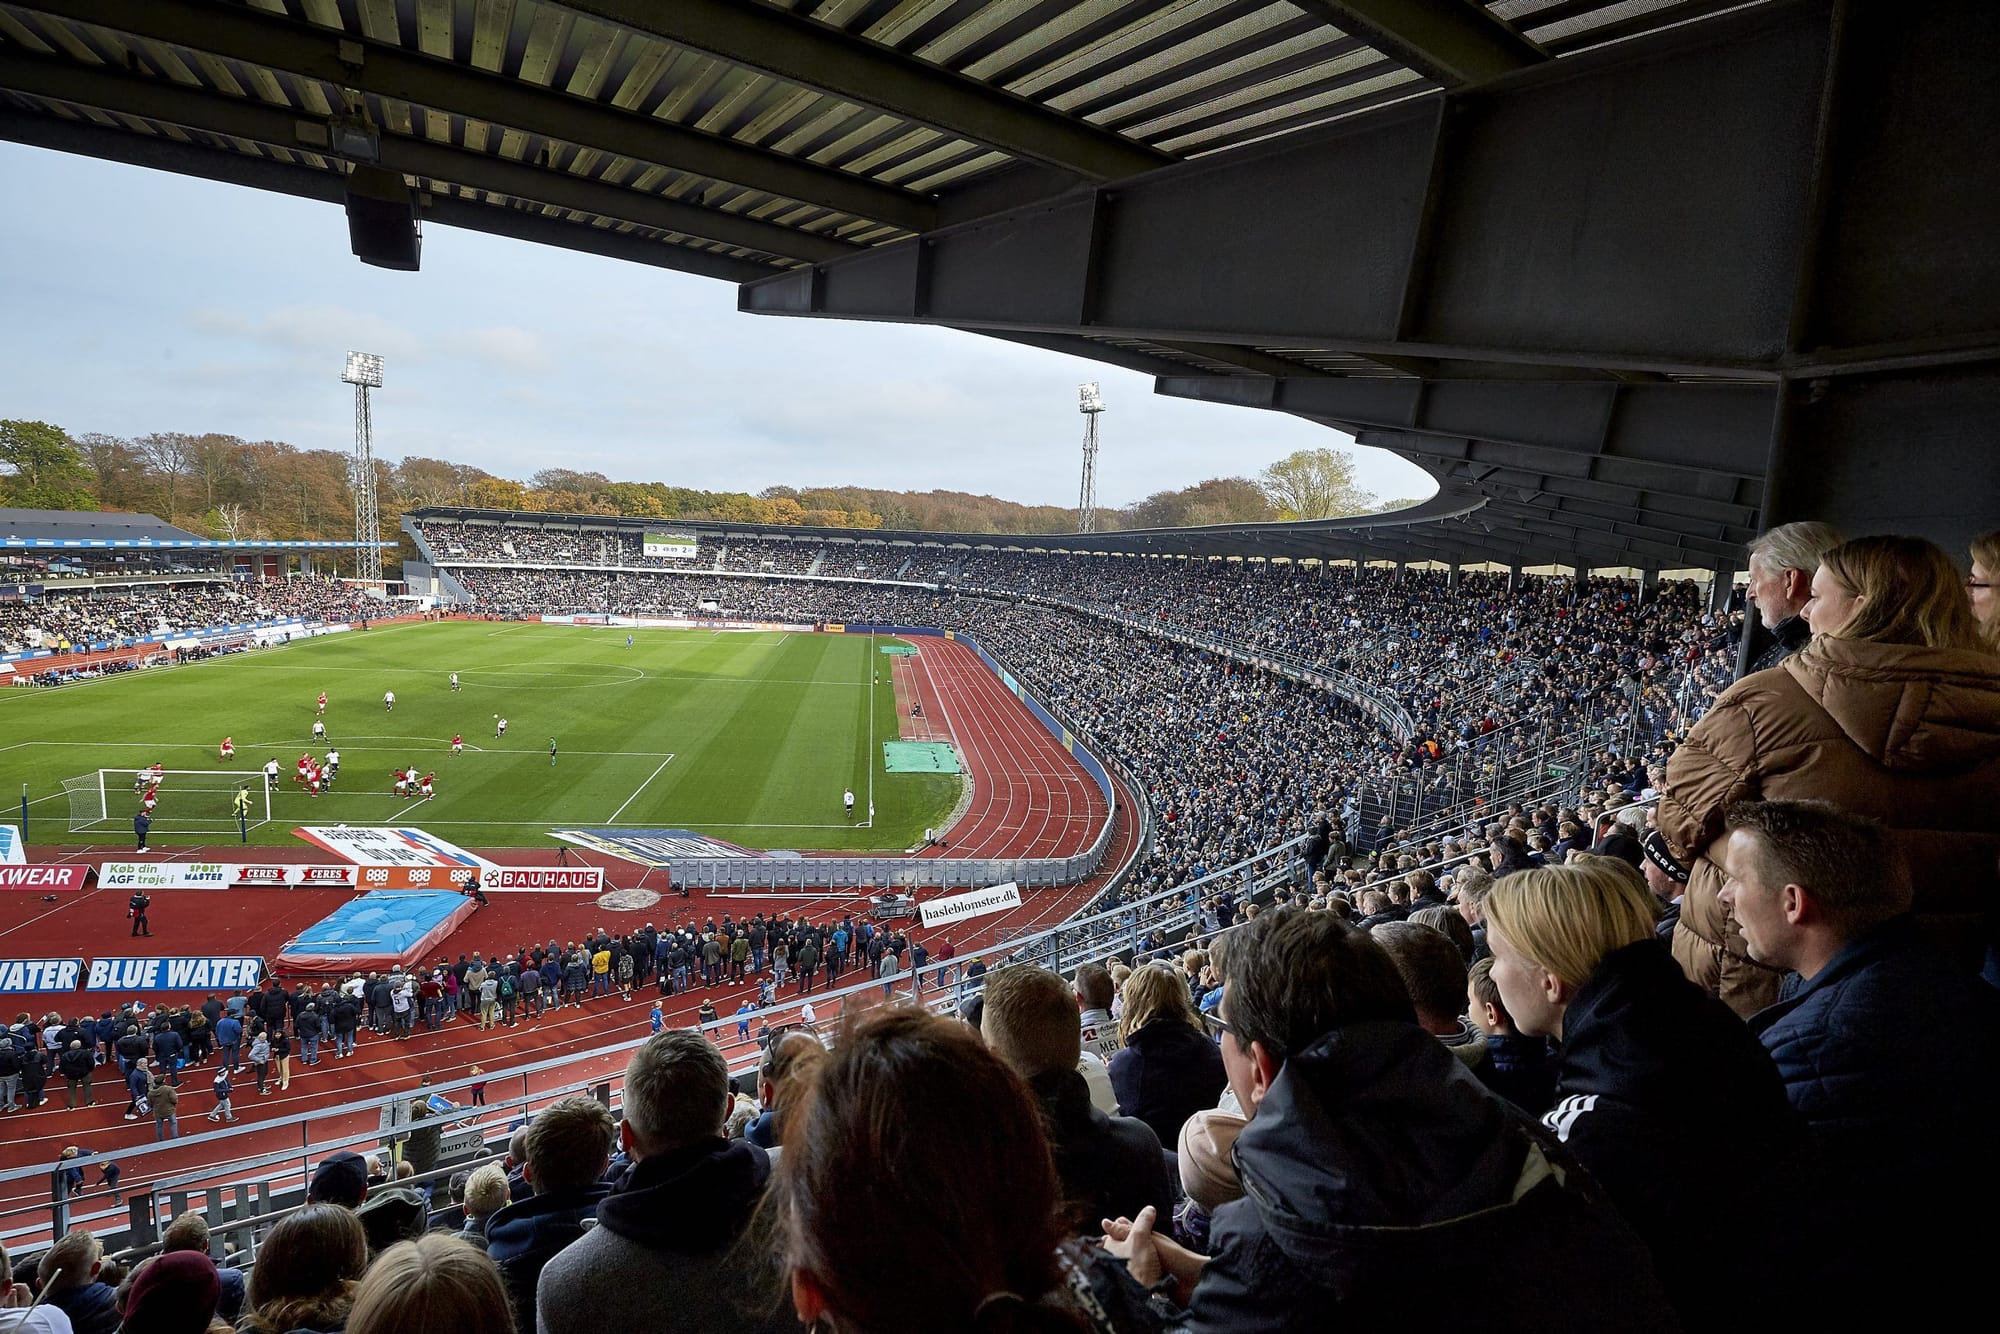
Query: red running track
{"x": 1030, "y": 798}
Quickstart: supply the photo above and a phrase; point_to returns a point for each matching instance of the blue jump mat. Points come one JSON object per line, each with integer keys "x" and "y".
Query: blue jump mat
{"x": 378, "y": 929}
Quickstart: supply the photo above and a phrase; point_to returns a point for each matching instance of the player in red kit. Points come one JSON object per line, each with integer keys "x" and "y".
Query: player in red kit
{"x": 227, "y": 751}
{"x": 429, "y": 779}
{"x": 457, "y": 743}
{"x": 322, "y": 701}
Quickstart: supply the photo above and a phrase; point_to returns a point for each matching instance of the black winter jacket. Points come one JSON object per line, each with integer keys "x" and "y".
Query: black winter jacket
{"x": 1668, "y": 1100}
{"x": 1385, "y": 1189}
{"x": 1110, "y": 1167}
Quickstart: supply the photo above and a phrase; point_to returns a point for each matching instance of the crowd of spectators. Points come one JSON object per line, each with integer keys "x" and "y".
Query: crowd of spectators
{"x": 75, "y": 622}
{"x": 1388, "y": 1098}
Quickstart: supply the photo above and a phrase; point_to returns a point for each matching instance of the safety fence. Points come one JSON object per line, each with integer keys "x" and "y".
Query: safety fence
{"x": 239, "y": 1192}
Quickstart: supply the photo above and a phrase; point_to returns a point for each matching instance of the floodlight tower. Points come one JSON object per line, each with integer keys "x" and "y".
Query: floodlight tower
{"x": 364, "y": 372}
{"x": 1091, "y": 404}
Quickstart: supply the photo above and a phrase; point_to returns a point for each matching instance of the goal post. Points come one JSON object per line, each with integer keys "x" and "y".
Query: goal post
{"x": 190, "y": 800}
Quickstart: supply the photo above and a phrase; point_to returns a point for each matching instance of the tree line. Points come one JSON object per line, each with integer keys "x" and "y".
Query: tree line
{"x": 225, "y": 487}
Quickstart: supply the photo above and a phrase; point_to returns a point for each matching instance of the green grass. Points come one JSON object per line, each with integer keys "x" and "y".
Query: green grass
{"x": 746, "y": 737}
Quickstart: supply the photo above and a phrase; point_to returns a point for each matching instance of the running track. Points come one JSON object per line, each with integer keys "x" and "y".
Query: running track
{"x": 1029, "y": 798}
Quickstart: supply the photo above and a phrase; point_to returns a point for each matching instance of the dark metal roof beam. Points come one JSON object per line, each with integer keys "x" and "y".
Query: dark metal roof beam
{"x": 240, "y": 118}
{"x": 384, "y": 70}
{"x": 1707, "y": 428}
{"x": 1425, "y": 234}
{"x": 216, "y": 164}
{"x": 816, "y": 55}
{"x": 1451, "y": 42}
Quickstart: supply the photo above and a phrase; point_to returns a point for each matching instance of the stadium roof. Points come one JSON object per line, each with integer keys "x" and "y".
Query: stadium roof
{"x": 1419, "y": 534}
{"x": 1561, "y": 253}
{"x": 19, "y": 527}
{"x": 84, "y": 530}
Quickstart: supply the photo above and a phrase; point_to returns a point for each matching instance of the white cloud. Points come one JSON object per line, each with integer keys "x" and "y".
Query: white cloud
{"x": 234, "y": 314}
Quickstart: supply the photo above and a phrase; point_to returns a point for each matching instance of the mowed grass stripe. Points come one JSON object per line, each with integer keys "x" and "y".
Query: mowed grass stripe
{"x": 766, "y": 730}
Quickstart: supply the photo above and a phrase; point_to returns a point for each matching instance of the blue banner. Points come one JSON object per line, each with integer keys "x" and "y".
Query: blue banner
{"x": 194, "y": 972}
{"x": 23, "y": 975}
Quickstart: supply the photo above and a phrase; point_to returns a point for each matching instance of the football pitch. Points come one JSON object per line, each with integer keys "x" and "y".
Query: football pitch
{"x": 746, "y": 737}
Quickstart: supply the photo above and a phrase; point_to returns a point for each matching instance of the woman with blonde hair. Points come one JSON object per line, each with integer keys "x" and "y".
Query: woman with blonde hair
{"x": 1660, "y": 1091}
{"x": 305, "y": 1273}
{"x": 1168, "y": 1068}
{"x": 436, "y": 1284}
{"x": 1892, "y": 711}
{"x": 1985, "y": 598}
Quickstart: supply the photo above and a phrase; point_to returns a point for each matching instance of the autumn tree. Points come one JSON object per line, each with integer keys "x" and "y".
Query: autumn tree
{"x": 1217, "y": 500}
{"x": 44, "y": 471}
{"x": 1315, "y": 484}
{"x": 121, "y": 480}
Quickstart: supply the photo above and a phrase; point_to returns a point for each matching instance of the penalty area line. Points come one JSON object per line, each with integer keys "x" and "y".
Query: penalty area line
{"x": 641, "y": 788}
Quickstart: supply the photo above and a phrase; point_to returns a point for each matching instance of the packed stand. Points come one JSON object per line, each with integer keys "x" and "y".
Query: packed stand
{"x": 75, "y": 622}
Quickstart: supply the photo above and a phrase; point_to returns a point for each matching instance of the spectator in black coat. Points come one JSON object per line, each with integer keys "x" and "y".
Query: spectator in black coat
{"x": 1168, "y": 1068}
{"x": 1370, "y": 1152}
{"x": 569, "y": 1148}
{"x": 1108, "y": 1165}
{"x": 1889, "y": 1054}
{"x": 1661, "y": 1091}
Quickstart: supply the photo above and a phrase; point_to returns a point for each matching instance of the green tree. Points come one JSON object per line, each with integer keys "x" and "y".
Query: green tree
{"x": 44, "y": 470}
{"x": 1315, "y": 484}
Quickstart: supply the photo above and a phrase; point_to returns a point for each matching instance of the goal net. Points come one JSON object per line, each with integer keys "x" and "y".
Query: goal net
{"x": 190, "y": 800}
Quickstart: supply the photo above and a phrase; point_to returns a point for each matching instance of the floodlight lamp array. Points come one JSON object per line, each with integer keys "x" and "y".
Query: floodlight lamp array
{"x": 1089, "y": 399}
{"x": 363, "y": 368}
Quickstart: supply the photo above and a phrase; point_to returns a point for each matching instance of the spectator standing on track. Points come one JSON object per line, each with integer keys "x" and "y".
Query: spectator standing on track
{"x": 135, "y": 907}
{"x": 260, "y": 1060}
{"x": 229, "y": 1041}
{"x": 164, "y": 1100}
{"x": 224, "y": 1109}
{"x": 489, "y": 1002}
{"x": 281, "y": 1055}
{"x": 77, "y": 1066}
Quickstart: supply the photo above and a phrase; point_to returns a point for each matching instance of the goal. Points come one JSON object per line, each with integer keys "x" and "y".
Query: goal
{"x": 191, "y": 800}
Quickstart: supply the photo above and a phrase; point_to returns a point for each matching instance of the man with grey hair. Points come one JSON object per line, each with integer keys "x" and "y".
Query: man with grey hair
{"x": 671, "y": 1221}
{"x": 1782, "y": 562}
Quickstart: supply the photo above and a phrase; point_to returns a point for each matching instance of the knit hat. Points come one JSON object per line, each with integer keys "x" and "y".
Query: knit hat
{"x": 341, "y": 1178}
{"x": 173, "y": 1293}
{"x": 1207, "y": 1172}
{"x": 1655, "y": 848}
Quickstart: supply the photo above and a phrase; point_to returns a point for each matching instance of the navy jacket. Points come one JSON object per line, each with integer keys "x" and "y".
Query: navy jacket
{"x": 1893, "y": 1058}
{"x": 1166, "y": 1073}
{"x": 523, "y": 1237}
{"x": 1385, "y": 1189}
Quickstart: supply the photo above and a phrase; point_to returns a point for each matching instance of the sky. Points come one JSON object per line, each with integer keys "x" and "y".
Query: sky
{"x": 138, "y": 301}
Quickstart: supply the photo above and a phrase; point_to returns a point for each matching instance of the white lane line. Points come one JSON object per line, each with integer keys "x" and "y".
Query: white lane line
{"x": 641, "y": 788}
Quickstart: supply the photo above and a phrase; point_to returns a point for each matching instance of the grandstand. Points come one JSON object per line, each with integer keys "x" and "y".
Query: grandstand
{"x": 1637, "y": 283}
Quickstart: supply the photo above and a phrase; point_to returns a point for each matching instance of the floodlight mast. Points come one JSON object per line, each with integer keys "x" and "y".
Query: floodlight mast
{"x": 364, "y": 372}
{"x": 1091, "y": 404}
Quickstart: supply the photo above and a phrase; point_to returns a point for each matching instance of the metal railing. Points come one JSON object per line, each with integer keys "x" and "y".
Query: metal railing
{"x": 229, "y": 1195}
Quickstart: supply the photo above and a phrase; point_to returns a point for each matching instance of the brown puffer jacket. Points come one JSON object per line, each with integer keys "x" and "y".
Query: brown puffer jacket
{"x": 1908, "y": 735}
